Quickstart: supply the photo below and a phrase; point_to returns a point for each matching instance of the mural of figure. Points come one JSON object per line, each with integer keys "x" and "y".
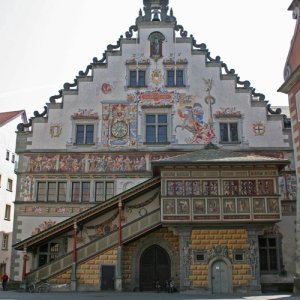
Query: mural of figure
{"x": 192, "y": 120}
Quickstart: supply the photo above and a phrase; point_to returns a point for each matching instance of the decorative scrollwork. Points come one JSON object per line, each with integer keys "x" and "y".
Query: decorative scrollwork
{"x": 183, "y": 33}
{"x": 53, "y": 98}
{"x": 68, "y": 85}
{"x": 245, "y": 83}
{"x": 132, "y": 28}
{"x": 273, "y": 112}
{"x": 201, "y": 46}
{"x": 85, "y": 73}
{"x": 21, "y": 126}
{"x": 38, "y": 115}
{"x": 219, "y": 250}
{"x": 111, "y": 47}
{"x": 231, "y": 71}
{"x": 260, "y": 96}
{"x": 217, "y": 59}
{"x": 102, "y": 60}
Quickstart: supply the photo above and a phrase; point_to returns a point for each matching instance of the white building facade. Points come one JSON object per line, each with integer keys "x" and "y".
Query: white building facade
{"x": 8, "y": 182}
{"x": 156, "y": 94}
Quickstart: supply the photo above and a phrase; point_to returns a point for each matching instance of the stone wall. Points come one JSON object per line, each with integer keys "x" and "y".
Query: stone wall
{"x": 231, "y": 239}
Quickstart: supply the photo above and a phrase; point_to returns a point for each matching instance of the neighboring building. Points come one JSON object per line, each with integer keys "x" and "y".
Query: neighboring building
{"x": 291, "y": 86}
{"x": 166, "y": 164}
{"x": 8, "y": 162}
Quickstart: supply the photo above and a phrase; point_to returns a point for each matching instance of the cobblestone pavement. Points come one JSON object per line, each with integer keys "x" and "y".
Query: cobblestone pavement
{"x": 12, "y": 295}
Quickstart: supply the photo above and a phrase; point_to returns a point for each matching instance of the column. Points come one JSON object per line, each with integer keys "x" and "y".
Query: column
{"x": 74, "y": 266}
{"x": 118, "y": 282}
{"x": 186, "y": 255}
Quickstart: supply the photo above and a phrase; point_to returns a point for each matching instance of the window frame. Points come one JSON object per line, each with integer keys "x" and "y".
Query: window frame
{"x": 139, "y": 80}
{"x": 10, "y": 183}
{"x": 229, "y": 136}
{"x": 105, "y": 190}
{"x": 7, "y": 155}
{"x": 48, "y": 254}
{"x": 43, "y": 196}
{"x": 80, "y": 191}
{"x": 85, "y": 141}
{"x": 7, "y": 213}
{"x": 5, "y": 240}
{"x": 156, "y": 125}
{"x": 172, "y": 80}
{"x": 268, "y": 248}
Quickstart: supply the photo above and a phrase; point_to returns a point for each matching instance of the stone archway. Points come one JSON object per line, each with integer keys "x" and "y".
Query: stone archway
{"x": 150, "y": 240}
{"x": 155, "y": 266}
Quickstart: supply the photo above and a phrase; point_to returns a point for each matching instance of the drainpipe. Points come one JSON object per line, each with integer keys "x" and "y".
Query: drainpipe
{"x": 118, "y": 282}
{"x": 74, "y": 274}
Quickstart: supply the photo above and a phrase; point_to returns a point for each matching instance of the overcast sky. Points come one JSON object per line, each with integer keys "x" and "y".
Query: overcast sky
{"x": 44, "y": 43}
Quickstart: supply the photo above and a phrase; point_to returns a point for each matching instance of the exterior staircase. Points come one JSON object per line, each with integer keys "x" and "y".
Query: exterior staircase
{"x": 130, "y": 231}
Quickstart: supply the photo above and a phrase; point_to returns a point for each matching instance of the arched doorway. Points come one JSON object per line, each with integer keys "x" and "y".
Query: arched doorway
{"x": 155, "y": 266}
{"x": 220, "y": 277}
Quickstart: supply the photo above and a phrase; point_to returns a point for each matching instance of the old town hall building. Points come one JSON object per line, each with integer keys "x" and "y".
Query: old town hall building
{"x": 157, "y": 163}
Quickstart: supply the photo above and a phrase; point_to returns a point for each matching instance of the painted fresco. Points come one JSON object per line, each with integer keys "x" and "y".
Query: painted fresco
{"x": 43, "y": 226}
{"x": 78, "y": 163}
{"x": 155, "y": 97}
{"x": 26, "y": 188}
{"x": 119, "y": 125}
{"x": 288, "y": 186}
{"x": 191, "y": 119}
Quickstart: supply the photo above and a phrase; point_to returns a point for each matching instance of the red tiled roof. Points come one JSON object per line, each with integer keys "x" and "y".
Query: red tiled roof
{"x": 8, "y": 116}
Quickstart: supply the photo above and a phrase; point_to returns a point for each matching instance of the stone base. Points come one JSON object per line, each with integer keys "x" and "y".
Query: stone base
{"x": 296, "y": 288}
{"x": 118, "y": 284}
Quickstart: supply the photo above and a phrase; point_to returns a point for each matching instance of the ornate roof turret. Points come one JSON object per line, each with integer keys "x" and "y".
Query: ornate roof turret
{"x": 156, "y": 10}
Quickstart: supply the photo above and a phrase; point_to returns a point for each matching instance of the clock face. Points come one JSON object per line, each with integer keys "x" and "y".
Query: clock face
{"x": 119, "y": 129}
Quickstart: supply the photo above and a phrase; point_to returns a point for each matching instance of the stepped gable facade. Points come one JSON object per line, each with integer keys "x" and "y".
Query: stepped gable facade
{"x": 158, "y": 162}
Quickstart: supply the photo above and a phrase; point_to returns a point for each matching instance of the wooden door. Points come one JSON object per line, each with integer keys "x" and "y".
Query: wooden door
{"x": 220, "y": 278}
{"x": 107, "y": 278}
{"x": 154, "y": 266}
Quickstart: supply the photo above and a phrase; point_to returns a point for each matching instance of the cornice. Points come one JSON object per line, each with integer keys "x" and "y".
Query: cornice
{"x": 290, "y": 82}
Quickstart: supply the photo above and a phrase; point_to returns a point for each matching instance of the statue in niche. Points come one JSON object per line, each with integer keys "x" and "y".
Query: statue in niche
{"x": 156, "y": 39}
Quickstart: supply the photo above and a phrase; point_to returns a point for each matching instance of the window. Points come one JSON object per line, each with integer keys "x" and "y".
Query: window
{"x": 175, "y": 78}
{"x": 41, "y": 191}
{"x": 9, "y": 185}
{"x": 137, "y": 78}
{"x": 80, "y": 191}
{"x": 13, "y": 158}
{"x": 51, "y": 191}
{"x": 5, "y": 241}
{"x": 229, "y": 132}
{"x": 269, "y": 254}
{"x": 200, "y": 256}
{"x": 84, "y": 134}
{"x": 104, "y": 190}
{"x": 62, "y": 191}
{"x": 156, "y": 128}
{"x": 239, "y": 256}
{"x": 7, "y": 212}
{"x": 7, "y": 155}
{"x": 48, "y": 253}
